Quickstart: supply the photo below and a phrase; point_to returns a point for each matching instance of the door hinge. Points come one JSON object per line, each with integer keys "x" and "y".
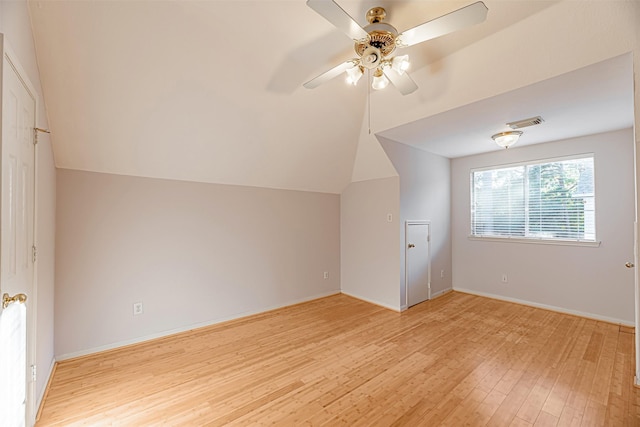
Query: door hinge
{"x": 34, "y": 253}
{"x": 33, "y": 373}
{"x": 35, "y": 133}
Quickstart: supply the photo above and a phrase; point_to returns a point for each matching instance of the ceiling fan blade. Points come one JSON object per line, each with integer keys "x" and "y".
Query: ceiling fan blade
{"x": 328, "y": 75}
{"x": 456, "y": 20}
{"x": 403, "y": 82}
{"x": 333, "y": 13}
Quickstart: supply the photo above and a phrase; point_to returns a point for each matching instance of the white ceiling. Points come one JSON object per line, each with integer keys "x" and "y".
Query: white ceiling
{"x": 594, "y": 99}
{"x": 211, "y": 91}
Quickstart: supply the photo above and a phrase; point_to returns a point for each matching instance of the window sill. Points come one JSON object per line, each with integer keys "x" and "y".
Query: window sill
{"x": 584, "y": 243}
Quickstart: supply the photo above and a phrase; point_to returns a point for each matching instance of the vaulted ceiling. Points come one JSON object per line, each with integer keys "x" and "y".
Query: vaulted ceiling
{"x": 211, "y": 91}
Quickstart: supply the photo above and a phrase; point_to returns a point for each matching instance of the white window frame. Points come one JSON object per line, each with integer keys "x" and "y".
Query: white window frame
{"x": 534, "y": 240}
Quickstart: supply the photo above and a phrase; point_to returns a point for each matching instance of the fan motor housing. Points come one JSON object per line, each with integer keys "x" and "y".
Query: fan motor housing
{"x": 382, "y": 36}
{"x": 383, "y": 40}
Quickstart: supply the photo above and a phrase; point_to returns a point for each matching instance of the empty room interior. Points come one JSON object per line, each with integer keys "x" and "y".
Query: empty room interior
{"x": 291, "y": 212}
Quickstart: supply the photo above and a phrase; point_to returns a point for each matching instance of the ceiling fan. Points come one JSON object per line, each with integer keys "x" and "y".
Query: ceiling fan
{"x": 376, "y": 43}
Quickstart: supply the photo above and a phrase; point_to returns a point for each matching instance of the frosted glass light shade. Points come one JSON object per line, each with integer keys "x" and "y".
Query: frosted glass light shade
{"x": 353, "y": 75}
{"x": 400, "y": 64}
{"x": 379, "y": 81}
{"x": 506, "y": 139}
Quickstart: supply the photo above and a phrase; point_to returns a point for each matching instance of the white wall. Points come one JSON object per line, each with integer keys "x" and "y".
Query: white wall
{"x": 193, "y": 253}
{"x": 584, "y": 280}
{"x": 425, "y": 194}
{"x": 369, "y": 243}
{"x": 16, "y": 27}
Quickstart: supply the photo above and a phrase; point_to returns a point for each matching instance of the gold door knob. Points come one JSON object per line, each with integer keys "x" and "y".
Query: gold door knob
{"x": 629, "y": 265}
{"x": 6, "y": 299}
{"x": 411, "y": 245}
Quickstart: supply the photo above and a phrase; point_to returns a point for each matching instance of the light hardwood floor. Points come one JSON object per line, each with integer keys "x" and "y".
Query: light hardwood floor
{"x": 457, "y": 360}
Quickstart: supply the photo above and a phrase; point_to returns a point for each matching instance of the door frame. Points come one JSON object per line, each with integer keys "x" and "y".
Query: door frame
{"x": 407, "y": 224}
{"x": 636, "y": 253}
{"x": 9, "y": 54}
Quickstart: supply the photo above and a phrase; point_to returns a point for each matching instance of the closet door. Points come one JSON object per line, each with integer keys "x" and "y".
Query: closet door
{"x": 417, "y": 258}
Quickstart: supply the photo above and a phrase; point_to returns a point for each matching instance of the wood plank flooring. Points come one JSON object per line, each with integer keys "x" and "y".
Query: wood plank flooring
{"x": 457, "y": 360}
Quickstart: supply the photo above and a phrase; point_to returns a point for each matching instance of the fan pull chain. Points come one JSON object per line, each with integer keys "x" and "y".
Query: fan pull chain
{"x": 369, "y": 98}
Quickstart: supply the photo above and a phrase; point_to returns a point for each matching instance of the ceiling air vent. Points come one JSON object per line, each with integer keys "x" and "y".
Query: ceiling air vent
{"x": 525, "y": 123}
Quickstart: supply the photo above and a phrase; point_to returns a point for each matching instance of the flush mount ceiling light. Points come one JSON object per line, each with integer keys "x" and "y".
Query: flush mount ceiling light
{"x": 506, "y": 139}
{"x": 376, "y": 43}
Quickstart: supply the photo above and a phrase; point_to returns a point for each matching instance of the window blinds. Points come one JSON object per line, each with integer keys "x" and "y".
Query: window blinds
{"x": 553, "y": 199}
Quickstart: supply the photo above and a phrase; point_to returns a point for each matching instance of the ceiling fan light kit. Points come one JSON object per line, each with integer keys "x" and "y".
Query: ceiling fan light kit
{"x": 400, "y": 64}
{"x": 380, "y": 81}
{"x": 354, "y": 73}
{"x": 375, "y": 43}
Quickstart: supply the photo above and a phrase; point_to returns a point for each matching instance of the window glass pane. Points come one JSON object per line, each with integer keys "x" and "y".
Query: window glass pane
{"x": 499, "y": 202}
{"x": 544, "y": 200}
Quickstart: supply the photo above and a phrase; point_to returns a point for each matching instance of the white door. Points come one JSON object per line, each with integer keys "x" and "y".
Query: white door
{"x": 417, "y": 261}
{"x": 16, "y": 245}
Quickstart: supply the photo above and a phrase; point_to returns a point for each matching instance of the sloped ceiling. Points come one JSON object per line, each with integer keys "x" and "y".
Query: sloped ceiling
{"x": 211, "y": 91}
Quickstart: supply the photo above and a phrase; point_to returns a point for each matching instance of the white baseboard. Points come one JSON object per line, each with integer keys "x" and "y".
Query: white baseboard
{"x": 381, "y": 304}
{"x": 45, "y": 389}
{"x": 139, "y": 340}
{"x": 440, "y": 293}
{"x": 547, "y": 307}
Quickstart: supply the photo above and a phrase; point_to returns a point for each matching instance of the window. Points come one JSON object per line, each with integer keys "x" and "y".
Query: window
{"x": 547, "y": 200}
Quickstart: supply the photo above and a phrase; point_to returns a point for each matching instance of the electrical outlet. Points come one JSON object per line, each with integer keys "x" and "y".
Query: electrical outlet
{"x": 442, "y": 274}
{"x": 504, "y": 278}
{"x": 389, "y": 217}
{"x": 137, "y": 308}
{"x": 326, "y": 275}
